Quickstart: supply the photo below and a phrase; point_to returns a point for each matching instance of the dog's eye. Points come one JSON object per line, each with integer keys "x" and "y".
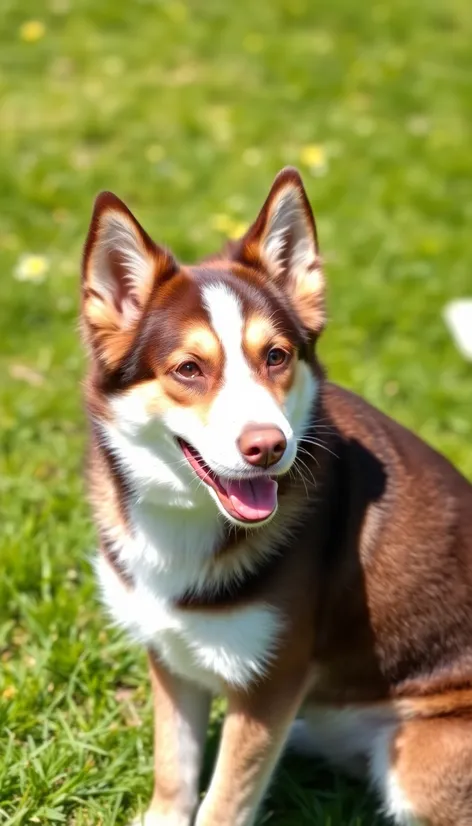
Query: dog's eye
{"x": 189, "y": 370}
{"x": 276, "y": 357}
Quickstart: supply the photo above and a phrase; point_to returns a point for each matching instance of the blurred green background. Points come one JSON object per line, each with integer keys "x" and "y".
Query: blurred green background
{"x": 187, "y": 111}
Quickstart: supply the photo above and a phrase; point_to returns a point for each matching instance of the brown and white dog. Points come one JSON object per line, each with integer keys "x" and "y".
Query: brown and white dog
{"x": 267, "y": 535}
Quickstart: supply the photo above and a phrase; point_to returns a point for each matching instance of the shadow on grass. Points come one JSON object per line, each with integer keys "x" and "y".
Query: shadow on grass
{"x": 305, "y": 792}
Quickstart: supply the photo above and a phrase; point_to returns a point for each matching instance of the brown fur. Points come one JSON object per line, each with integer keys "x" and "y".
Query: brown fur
{"x": 170, "y": 794}
{"x": 375, "y": 583}
{"x": 432, "y": 760}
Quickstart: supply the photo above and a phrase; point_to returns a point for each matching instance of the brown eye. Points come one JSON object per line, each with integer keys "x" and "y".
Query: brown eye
{"x": 189, "y": 370}
{"x": 276, "y": 357}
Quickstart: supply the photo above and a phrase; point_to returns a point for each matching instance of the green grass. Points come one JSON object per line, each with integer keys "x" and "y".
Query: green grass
{"x": 187, "y": 111}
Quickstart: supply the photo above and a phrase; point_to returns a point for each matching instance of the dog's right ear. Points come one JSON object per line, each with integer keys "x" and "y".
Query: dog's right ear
{"x": 282, "y": 242}
{"x": 120, "y": 267}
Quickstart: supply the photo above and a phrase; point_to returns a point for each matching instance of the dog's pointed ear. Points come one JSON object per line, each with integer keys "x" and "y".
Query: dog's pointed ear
{"x": 120, "y": 267}
{"x": 283, "y": 242}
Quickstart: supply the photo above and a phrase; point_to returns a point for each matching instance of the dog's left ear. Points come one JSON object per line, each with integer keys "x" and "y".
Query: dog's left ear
{"x": 121, "y": 266}
{"x": 282, "y": 242}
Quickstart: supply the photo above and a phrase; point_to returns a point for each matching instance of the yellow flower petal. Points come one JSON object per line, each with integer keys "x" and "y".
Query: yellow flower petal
{"x": 237, "y": 229}
{"x": 221, "y": 222}
{"x": 228, "y": 226}
{"x": 313, "y": 155}
{"x": 32, "y": 31}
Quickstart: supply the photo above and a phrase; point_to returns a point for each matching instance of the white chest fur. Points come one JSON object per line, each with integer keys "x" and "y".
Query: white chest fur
{"x": 169, "y": 550}
{"x": 210, "y": 647}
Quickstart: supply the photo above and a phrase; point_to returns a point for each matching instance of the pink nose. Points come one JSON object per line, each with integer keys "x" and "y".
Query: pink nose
{"x": 262, "y": 445}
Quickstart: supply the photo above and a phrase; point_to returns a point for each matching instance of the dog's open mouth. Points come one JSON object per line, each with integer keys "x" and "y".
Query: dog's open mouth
{"x": 247, "y": 500}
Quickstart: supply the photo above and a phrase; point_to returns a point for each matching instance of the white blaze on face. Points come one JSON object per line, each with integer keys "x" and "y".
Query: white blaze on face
{"x": 241, "y": 400}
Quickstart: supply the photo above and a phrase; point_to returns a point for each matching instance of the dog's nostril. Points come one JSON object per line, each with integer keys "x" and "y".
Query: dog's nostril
{"x": 262, "y": 445}
{"x": 253, "y": 451}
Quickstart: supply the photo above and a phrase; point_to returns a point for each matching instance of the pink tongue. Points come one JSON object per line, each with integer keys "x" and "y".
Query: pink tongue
{"x": 252, "y": 498}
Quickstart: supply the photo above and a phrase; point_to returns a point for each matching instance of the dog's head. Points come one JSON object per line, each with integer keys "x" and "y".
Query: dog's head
{"x": 204, "y": 377}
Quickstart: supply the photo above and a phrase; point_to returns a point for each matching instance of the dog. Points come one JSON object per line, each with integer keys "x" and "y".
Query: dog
{"x": 267, "y": 535}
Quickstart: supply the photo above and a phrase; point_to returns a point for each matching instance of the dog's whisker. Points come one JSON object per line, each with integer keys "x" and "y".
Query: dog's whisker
{"x": 301, "y": 476}
{"x": 301, "y": 449}
{"x": 321, "y": 445}
{"x": 310, "y": 457}
{"x": 301, "y": 462}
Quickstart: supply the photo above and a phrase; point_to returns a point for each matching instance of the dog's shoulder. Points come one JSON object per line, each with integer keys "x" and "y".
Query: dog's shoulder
{"x": 364, "y": 427}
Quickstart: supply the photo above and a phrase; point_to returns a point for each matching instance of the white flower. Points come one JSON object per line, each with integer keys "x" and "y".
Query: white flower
{"x": 32, "y": 268}
{"x": 458, "y": 317}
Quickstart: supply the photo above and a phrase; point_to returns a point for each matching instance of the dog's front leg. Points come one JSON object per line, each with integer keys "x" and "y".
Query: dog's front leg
{"x": 181, "y": 712}
{"x": 254, "y": 732}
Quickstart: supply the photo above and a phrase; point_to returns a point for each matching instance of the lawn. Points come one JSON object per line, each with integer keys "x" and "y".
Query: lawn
{"x": 187, "y": 111}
